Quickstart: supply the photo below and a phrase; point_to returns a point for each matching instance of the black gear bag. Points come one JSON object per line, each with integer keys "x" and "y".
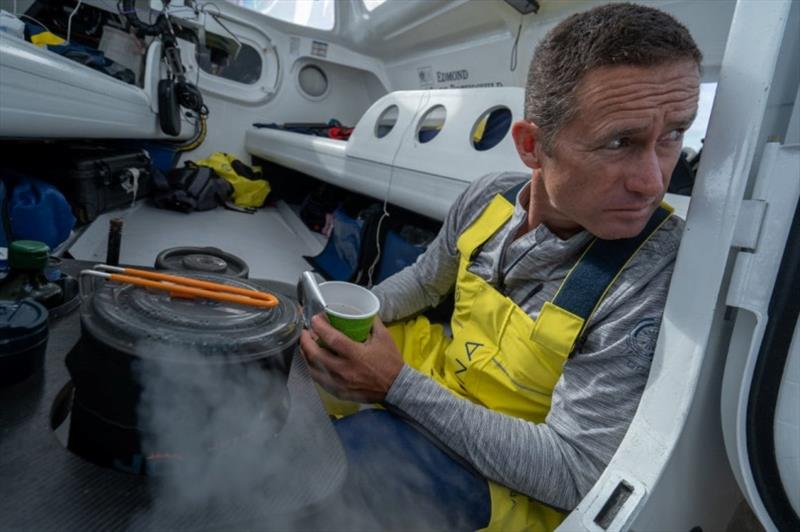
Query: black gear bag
{"x": 191, "y": 188}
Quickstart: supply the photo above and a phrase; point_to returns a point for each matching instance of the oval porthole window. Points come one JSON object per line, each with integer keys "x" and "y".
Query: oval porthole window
{"x": 431, "y": 123}
{"x": 491, "y": 128}
{"x": 225, "y": 58}
{"x": 386, "y": 121}
{"x": 313, "y": 81}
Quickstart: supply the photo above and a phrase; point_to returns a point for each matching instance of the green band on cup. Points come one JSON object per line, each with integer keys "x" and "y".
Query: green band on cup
{"x": 350, "y": 308}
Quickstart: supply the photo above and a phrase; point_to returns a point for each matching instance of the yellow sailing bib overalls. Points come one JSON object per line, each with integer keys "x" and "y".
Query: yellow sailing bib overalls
{"x": 500, "y": 357}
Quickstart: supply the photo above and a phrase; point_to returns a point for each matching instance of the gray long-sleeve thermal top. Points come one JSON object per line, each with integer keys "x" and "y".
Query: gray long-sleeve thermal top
{"x": 557, "y": 461}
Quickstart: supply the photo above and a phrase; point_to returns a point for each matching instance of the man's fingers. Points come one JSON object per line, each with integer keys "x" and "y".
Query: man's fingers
{"x": 334, "y": 339}
{"x": 352, "y": 370}
{"x": 306, "y": 341}
{"x": 327, "y": 369}
{"x": 317, "y": 356}
{"x": 332, "y": 364}
{"x": 306, "y": 348}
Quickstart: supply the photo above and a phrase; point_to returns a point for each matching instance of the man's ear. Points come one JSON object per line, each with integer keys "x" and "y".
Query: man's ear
{"x": 527, "y": 137}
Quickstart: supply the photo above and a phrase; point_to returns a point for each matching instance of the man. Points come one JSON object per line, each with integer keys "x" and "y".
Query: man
{"x": 560, "y": 280}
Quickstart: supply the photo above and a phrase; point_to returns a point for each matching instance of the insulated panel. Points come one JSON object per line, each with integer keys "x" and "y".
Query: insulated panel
{"x": 45, "y": 95}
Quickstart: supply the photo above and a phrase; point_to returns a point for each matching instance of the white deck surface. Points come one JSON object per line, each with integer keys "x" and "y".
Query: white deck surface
{"x": 272, "y": 241}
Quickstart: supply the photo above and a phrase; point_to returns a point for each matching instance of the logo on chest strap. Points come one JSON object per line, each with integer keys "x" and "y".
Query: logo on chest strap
{"x": 470, "y": 348}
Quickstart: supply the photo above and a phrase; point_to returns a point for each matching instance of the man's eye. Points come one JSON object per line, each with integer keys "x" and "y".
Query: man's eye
{"x": 618, "y": 143}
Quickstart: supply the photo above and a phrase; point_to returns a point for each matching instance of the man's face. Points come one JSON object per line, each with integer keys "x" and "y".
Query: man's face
{"x": 611, "y": 164}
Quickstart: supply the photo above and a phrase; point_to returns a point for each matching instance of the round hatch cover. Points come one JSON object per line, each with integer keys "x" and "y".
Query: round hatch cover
{"x": 207, "y": 260}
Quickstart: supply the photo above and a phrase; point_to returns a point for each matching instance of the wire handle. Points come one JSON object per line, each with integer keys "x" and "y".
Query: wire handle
{"x": 184, "y": 286}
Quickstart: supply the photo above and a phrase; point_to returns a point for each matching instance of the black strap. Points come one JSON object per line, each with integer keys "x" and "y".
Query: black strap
{"x": 599, "y": 266}
{"x": 511, "y": 194}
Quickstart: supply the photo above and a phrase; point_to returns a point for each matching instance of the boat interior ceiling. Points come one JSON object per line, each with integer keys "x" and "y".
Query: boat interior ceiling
{"x": 430, "y": 89}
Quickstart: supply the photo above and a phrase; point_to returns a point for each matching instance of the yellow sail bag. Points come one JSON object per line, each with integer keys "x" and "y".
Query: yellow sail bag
{"x": 248, "y": 190}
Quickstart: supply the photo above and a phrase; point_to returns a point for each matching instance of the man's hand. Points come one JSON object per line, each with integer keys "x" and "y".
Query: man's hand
{"x": 352, "y": 370}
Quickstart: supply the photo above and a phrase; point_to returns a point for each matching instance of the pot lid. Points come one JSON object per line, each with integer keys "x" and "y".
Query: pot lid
{"x": 202, "y": 259}
{"x": 20, "y": 322}
{"x": 152, "y": 324}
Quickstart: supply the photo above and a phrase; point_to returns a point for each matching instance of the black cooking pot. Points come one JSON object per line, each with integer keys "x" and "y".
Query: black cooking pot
{"x": 158, "y": 378}
{"x": 23, "y": 339}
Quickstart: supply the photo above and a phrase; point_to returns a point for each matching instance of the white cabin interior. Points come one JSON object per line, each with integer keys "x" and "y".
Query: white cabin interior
{"x": 412, "y": 65}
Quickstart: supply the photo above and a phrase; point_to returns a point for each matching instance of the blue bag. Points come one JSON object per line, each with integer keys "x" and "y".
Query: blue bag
{"x": 352, "y": 251}
{"x": 33, "y": 210}
{"x": 339, "y": 260}
{"x": 397, "y": 252}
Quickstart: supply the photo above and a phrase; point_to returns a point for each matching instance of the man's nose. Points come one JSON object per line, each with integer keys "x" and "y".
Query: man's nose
{"x": 647, "y": 179}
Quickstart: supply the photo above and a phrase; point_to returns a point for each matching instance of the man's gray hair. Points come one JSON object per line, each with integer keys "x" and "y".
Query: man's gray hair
{"x": 614, "y": 34}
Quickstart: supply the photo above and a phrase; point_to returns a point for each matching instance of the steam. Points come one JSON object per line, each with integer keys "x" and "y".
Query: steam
{"x": 225, "y": 448}
{"x": 219, "y": 447}
{"x": 199, "y": 418}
